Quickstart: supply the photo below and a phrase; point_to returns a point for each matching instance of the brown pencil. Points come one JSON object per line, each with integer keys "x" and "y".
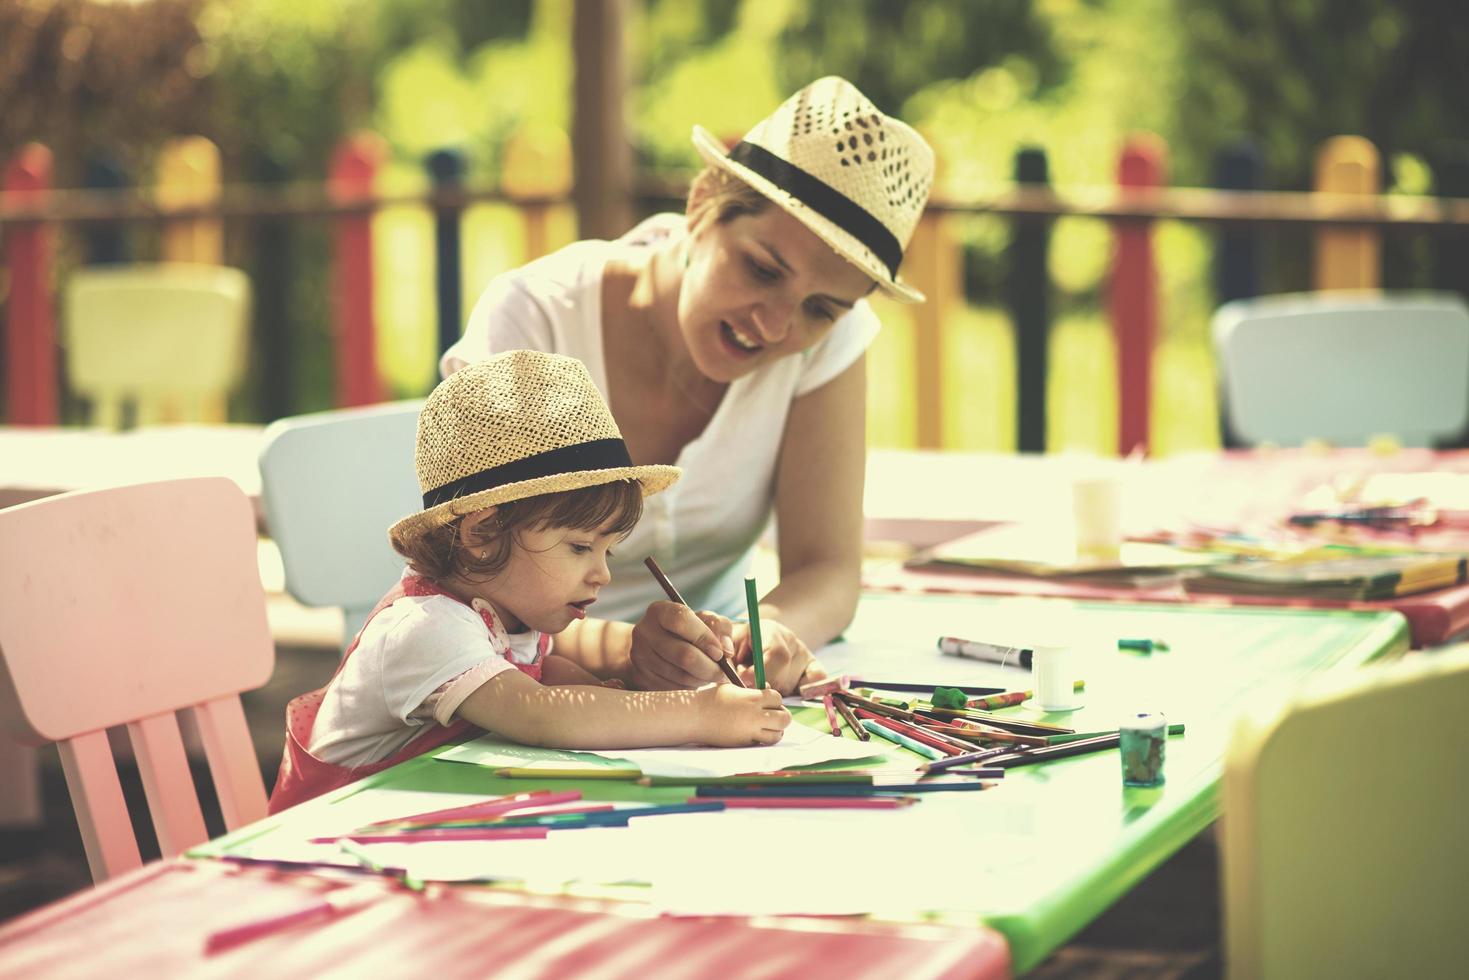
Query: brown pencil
{"x": 673, "y": 595}
{"x": 851, "y": 719}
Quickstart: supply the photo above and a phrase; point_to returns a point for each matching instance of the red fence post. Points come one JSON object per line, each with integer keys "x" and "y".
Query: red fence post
{"x": 354, "y": 166}
{"x": 1132, "y": 297}
{"x": 30, "y": 336}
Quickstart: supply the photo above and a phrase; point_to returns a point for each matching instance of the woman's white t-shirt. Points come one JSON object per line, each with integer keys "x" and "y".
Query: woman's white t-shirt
{"x": 702, "y": 530}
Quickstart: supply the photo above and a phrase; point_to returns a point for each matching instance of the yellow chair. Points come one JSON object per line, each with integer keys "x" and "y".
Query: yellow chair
{"x": 1343, "y": 827}
{"x": 170, "y": 338}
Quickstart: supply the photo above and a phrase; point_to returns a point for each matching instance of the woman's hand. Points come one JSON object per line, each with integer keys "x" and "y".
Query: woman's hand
{"x": 788, "y": 661}
{"x": 675, "y": 647}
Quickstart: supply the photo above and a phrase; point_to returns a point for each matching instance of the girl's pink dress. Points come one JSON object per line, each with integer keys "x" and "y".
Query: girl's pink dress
{"x": 303, "y": 776}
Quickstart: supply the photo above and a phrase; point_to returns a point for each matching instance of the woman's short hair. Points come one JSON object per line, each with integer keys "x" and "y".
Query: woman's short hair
{"x": 721, "y": 196}
{"x": 438, "y": 553}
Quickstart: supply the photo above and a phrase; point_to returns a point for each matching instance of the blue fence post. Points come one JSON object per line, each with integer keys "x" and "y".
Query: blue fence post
{"x": 274, "y": 272}
{"x": 106, "y": 242}
{"x": 1028, "y": 296}
{"x": 446, "y": 169}
{"x": 1236, "y": 250}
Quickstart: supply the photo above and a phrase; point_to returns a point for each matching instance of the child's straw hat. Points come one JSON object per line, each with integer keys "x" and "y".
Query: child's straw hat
{"x": 857, "y": 178}
{"x": 516, "y": 425}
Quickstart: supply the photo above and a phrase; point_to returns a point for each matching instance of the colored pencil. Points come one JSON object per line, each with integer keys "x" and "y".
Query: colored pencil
{"x": 426, "y": 834}
{"x": 915, "y": 733}
{"x": 999, "y": 721}
{"x": 785, "y": 777}
{"x": 816, "y": 802}
{"x": 955, "y": 785}
{"x": 757, "y": 652}
{"x": 333, "y": 903}
{"x": 522, "y": 772}
{"x": 996, "y": 735}
{"x": 831, "y": 715}
{"x": 851, "y": 719}
{"x": 487, "y": 808}
{"x": 898, "y": 738}
{"x": 1080, "y": 736}
{"x": 1029, "y": 757}
{"x": 963, "y": 760}
{"x": 359, "y": 854}
{"x": 922, "y": 688}
{"x": 673, "y": 594}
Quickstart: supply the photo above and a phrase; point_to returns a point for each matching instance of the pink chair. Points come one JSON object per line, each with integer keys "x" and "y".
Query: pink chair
{"x": 121, "y": 607}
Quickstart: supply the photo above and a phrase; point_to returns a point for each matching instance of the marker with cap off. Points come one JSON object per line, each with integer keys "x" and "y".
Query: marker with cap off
{"x": 953, "y": 646}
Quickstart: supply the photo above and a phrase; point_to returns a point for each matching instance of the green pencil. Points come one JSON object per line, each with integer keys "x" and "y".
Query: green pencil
{"x": 758, "y": 653}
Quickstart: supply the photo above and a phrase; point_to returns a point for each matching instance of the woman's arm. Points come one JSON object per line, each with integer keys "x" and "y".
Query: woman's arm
{"x": 818, "y": 509}
{"x": 514, "y": 705}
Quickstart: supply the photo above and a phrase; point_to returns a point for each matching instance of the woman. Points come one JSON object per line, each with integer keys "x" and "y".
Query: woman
{"x": 731, "y": 341}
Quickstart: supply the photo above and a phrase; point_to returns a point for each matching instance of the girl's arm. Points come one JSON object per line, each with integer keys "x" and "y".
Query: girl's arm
{"x": 514, "y": 705}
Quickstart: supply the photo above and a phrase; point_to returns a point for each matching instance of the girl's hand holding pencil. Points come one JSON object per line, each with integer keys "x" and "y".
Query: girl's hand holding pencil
{"x": 735, "y": 716}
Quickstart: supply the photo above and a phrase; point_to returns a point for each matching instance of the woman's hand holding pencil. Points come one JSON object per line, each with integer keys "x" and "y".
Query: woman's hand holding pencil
{"x": 668, "y": 641}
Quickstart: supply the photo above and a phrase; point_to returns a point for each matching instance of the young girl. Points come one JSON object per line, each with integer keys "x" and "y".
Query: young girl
{"x": 527, "y": 486}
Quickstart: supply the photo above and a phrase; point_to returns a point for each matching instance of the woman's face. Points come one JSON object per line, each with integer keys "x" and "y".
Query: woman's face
{"x": 758, "y": 288}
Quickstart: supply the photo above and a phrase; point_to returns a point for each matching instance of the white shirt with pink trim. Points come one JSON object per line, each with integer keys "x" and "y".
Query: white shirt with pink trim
{"x": 703, "y": 530}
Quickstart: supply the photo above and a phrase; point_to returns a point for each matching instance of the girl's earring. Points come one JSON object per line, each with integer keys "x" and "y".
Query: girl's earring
{"x": 483, "y": 555}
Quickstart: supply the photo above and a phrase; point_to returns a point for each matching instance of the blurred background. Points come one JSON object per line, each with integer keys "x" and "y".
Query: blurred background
{"x": 473, "y": 135}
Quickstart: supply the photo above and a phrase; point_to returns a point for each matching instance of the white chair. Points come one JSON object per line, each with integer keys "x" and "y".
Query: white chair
{"x": 332, "y": 483}
{"x": 169, "y": 338}
{"x": 1344, "y": 367}
{"x": 1343, "y": 827}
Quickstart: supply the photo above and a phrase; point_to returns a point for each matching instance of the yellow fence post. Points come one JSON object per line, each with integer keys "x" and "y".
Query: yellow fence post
{"x": 934, "y": 265}
{"x": 535, "y": 174}
{"x": 1348, "y": 258}
{"x": 189, "y": 176}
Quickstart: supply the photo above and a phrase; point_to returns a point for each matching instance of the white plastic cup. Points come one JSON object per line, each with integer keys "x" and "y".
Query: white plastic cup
{"x": 1054, "y": 672}
{"x": 1096, "y": 502}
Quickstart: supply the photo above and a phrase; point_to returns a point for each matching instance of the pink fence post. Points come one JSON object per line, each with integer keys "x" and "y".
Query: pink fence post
{"x": 1132, "y": 297}
{"x": 353, "y": 168}
{"x": 30, "y": 335}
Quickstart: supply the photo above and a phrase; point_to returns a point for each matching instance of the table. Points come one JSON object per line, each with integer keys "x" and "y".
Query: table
{"x": 924, "y": 499}
{"x": 1035, "y": 858}
{"x": 153, "y": 922}
{"x": 38, "y": 461}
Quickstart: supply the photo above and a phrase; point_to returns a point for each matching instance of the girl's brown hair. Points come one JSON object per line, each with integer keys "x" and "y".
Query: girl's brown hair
{"x": 438, "y": 553}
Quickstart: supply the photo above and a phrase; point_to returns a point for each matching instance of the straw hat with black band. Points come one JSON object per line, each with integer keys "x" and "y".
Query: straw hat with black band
{"x": 855, "y": 177}
{"x": 516, "y": 425}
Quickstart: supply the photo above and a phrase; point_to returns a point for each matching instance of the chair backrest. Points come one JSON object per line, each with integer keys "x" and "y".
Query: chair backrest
{"x": 119, "y": 607}
{"x": 1344, "y": 367}
{"x": 332, "y": 484}
{"x": 171, "y": 338}
{"x": 1343, "y": 817}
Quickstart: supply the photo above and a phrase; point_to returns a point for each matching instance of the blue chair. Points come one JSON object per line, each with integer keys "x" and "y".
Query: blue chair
{"x": 332, "y": 483}
{"x": 1343, "y": 842}
{"x": 1344, "y": 368}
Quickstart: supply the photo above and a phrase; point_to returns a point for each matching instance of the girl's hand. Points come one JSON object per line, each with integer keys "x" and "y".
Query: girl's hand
{"x": 731, "y": 716}
{"x": 788, "y": 661}
{"x": 674, "y": 647}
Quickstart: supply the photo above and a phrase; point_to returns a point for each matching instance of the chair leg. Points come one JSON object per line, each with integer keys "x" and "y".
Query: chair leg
{"x": 102, "y": 814}
{"x": 20, "y": 774}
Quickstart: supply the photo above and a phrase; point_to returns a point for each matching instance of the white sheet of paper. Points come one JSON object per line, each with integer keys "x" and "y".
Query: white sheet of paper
{"x": 801, "y": 746}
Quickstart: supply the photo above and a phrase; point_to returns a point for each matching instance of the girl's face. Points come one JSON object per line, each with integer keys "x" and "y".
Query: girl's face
{"x": 758, "y": 288}
{"x": 553, "y": 575}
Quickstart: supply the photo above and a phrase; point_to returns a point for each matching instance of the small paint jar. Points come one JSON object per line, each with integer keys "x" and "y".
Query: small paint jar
{"x": 1143, "y": 739}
